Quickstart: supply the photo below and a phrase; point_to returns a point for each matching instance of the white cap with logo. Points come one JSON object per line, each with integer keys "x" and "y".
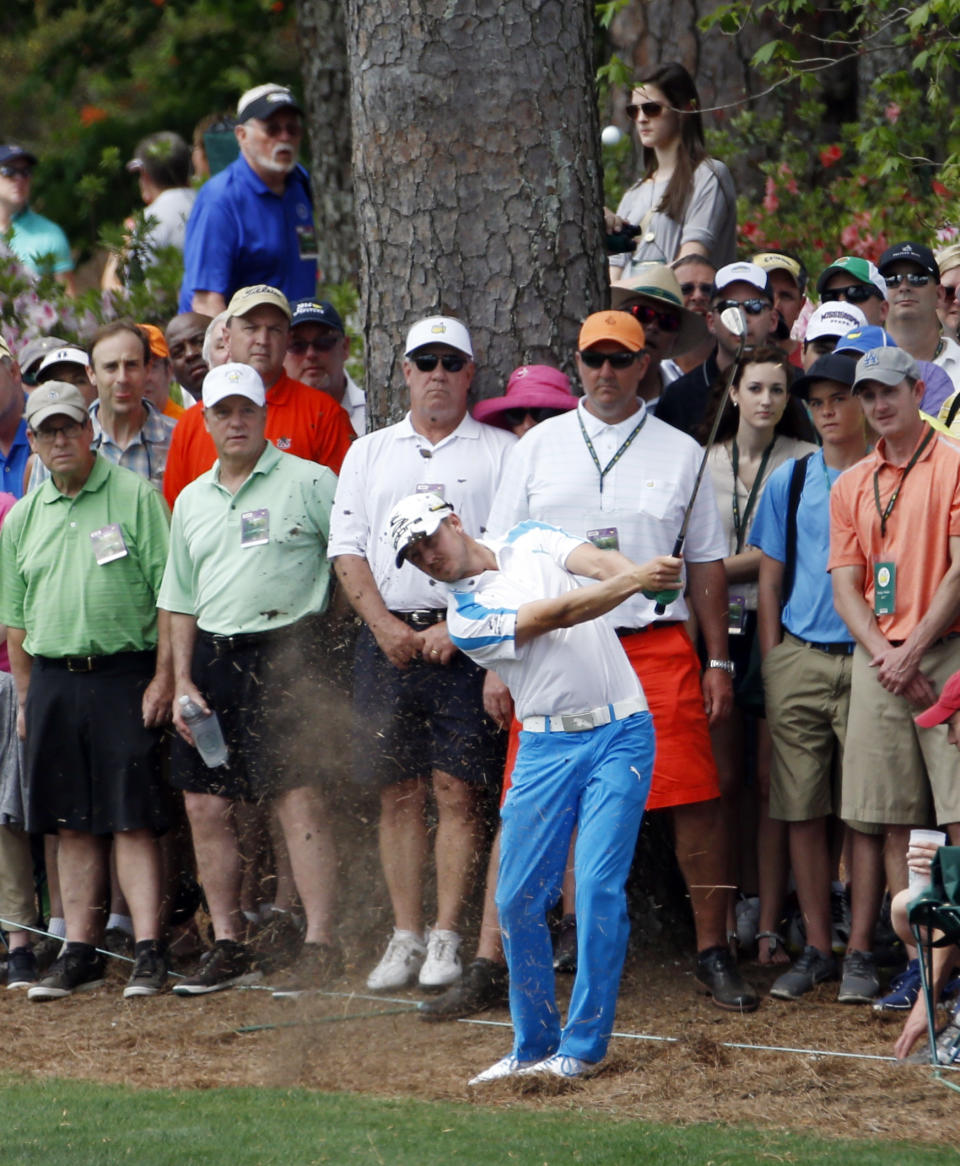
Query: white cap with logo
{"x": 233, "y": 380}
{"x": 439, "y": 330}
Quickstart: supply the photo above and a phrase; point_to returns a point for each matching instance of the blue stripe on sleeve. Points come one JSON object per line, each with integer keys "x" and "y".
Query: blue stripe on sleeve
{"x": 526, "y": 526}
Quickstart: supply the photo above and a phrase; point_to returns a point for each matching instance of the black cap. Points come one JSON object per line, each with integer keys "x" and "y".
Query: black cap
{"x": 915, "y": 253}
{"x": 316, "y": 312}
{"x": 831, "y": 367}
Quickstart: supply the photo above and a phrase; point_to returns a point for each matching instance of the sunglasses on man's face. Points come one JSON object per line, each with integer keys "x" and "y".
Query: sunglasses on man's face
{"x": 751, "y": 307}
{"x": 16, "y": 171}
{"x": 320, "y": 344}
{"x": 647, "y": 315}
{"x": 517, "y": 416}
{"x": 913, "y": 278}
{"x": 427, "y": 361}
{"x": 687, "y": 289}
{"x": 618, "y": 360}
{"x": 647, "y": 108}
{"x": 856, "y": 293}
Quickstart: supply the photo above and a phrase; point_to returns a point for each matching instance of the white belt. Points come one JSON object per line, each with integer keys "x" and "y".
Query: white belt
{"x": 578, "y": 722}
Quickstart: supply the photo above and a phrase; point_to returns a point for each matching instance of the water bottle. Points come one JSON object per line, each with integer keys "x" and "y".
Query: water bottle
{"x": 205, "y": 728}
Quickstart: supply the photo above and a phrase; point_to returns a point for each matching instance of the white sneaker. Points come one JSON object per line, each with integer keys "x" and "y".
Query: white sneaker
{"x": 442, "y": 966}
{"x": 507, "y": 1066}
{"x": 560, "y": 1065}
{"x": 400, "y": 964}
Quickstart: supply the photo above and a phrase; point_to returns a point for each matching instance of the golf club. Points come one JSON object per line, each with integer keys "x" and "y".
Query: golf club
{"x": 734, "y": 321}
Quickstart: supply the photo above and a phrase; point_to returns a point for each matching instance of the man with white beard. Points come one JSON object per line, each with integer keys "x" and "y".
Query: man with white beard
{"x": 253, "y": 222}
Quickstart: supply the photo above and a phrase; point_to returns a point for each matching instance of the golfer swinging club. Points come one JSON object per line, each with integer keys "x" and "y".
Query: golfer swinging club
{"x": 585, "y": 760}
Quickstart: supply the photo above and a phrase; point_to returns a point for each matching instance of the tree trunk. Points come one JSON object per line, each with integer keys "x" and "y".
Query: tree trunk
{"x": 477, "y": 180}
{"x": 323, "y": 64}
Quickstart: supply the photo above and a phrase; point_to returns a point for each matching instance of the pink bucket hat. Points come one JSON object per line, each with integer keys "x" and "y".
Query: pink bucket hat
{"x": 531, "y": 386}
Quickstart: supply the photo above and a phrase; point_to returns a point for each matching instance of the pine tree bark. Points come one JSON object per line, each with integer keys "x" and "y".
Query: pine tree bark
{"x": 477, "y": 180}
{"x": 326, "y": 94}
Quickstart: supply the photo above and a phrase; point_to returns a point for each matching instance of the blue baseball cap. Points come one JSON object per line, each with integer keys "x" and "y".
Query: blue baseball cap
{"x": 316, "y": 312}
{"x": 862, "y": 340}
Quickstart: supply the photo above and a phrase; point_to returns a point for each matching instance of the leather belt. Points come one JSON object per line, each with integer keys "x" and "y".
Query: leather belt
{"x": 657, "y": 623}
{"x": 425, "y": 618}
{"x": 593, "y": 719}
{"x": 244, "y": 640}
{"x": 840, "y": 649}
{"x": 111, "y": 663}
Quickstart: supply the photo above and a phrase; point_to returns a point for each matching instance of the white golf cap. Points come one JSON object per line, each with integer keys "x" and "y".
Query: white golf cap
{"x": 834, "y": 319}
{"x": 439, "y": 330}
{"x": 743, "y": 272}
{"x": 233, "y": 380}
{"x": 413, "y": 518}
{"x": 67, "y": 355}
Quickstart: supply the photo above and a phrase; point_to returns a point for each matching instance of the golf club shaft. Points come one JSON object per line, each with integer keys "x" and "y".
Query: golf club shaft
{"x": 661, "y": 607}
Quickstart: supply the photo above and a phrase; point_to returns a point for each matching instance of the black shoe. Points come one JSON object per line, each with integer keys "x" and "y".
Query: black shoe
{"x": 565, "y": 952}
{"x": 317, "y": 965}
{"x": 228, "y": 965}
{"x": 717, "y": 972}
{"x": 810, "y": 968}
{"x": 79, "y": 969}
{"x": 484, "y": 984}
{"x": 21, "y": 968}
{"x": 149, "y": 975}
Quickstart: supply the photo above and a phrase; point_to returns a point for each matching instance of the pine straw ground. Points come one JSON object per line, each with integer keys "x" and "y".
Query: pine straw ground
{"x": 320, "y": 1042}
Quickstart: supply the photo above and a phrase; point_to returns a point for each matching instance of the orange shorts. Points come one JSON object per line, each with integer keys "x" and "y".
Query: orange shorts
{"x": 666, "y": 664}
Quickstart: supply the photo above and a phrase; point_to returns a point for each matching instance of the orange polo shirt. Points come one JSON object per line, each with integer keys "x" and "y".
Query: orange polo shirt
{"x": 925, "y": 517}
{"x": 300, "y": 420}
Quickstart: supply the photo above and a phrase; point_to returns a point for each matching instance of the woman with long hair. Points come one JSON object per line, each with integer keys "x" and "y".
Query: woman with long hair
{"x": 685, "y": 202}
{"x": 762, "y": 426}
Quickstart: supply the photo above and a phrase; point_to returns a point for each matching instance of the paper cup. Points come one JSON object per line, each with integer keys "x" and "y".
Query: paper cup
{"x": 919, "y": 882}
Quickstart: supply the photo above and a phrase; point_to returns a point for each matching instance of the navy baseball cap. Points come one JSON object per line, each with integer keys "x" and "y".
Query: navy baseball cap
{"x": 830, "y": 367}
{"x": 316, "y": 312}
{"x": 915, "y": 253}
{"x": 10, "y": 152}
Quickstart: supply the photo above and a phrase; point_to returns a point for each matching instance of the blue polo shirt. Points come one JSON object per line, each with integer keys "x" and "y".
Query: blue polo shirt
{"x": 809, "y": 613}
{"x": 35, "y": 239}
{"x": 15, "y": 462}
{"x": 240, "y": 233}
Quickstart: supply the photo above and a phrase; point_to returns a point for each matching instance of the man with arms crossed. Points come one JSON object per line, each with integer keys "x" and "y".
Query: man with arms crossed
{"x": 586, "y": 754}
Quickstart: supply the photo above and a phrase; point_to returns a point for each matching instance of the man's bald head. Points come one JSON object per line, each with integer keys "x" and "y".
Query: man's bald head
{"x": 184, "y": 337}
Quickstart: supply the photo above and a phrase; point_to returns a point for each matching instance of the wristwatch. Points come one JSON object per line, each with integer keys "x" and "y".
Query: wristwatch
{"x": 723, "y": 665}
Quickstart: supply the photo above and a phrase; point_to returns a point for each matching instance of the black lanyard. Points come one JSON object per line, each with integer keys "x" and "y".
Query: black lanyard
{"x": 603, "y": 471}
{"x": 740, "y": 527}
{"x": 885, "y": 514}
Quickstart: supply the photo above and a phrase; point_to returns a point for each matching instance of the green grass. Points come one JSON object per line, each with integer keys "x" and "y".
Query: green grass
{"x": 87, "y": 1125}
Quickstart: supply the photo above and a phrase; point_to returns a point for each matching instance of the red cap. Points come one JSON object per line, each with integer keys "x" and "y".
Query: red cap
{"x": 945, "y": 707}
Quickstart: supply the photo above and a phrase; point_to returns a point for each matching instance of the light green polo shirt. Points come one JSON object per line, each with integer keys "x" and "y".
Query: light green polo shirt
{"x": 51, "y": 583}
{"x": 254, "y": 560}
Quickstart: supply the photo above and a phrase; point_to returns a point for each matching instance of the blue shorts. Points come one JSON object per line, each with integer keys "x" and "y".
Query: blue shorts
{"x": 410, "y": 722}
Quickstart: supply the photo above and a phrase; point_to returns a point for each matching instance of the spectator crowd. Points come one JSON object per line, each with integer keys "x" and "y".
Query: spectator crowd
{"x": 195, "y": 519}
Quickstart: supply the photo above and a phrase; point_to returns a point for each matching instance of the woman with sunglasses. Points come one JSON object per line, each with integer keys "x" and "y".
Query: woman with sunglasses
{"x": 762, "y": 426}
{"x": 685, "y": 203}
{"x": 535, "y": 393}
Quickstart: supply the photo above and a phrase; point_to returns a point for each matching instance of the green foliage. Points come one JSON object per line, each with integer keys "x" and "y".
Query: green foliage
{"x": 81, "y": 81}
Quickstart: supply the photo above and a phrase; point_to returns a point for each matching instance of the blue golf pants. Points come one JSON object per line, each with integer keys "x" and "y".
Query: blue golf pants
{"x": 598, "y": 781}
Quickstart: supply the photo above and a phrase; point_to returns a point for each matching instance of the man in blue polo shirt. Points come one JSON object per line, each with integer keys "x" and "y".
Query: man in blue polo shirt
{"x": 39, "y": 244}
{"x": 14, "y": 445}
{"x": 253, "y": 222}
{"x": 807, "y": 659}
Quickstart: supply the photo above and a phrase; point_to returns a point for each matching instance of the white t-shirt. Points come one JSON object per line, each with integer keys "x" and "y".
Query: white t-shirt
{"x": 550, "y": 476}
{"x": 570, "y": 670}
{"x": 383, "y": 467}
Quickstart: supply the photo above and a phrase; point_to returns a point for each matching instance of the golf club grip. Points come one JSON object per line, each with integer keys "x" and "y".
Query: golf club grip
{"x": 661, "y": 607}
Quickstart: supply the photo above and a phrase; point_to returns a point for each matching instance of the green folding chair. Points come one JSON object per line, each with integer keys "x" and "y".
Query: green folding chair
{"x": 938, "y": 908}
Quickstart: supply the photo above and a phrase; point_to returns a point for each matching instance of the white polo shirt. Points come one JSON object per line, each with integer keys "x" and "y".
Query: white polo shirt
{"x": 383, "y": 467}
{"x": 355, "y": 403}
{"x": 948, "y": 359}
{"x": 570, "y": 670}
{"x": 551, "y": 477}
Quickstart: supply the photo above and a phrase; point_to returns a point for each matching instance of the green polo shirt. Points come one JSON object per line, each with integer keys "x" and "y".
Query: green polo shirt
{"x": 254, "y": 560}
{"x": 51, "y": 583}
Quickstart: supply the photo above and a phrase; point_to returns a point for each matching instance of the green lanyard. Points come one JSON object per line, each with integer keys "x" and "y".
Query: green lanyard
{"x": 740, "y": 526}
{"x": 603, "y": 471}
{"x": 885, "y": 514}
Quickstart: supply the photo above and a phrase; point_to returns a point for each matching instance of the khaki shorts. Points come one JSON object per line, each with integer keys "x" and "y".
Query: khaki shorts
{"x": 18, "y": 903}
{"x": 894, "y": 772}
{"x": 807, "y": 695}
